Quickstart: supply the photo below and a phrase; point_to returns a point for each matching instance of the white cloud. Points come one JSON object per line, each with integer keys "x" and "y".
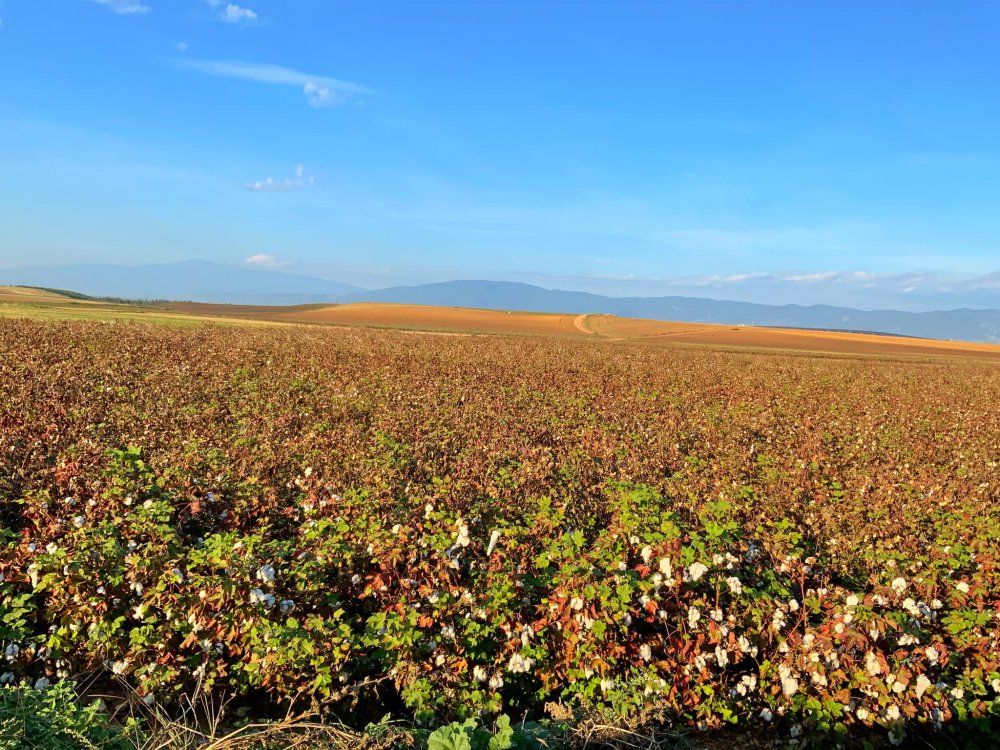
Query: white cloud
{"x": 236, "y": 14}
{"x": 263, "y": 260}
{"x": 319, "y": 96}
{"x": 319, "y": 91}
{"x": 233, "y": 13}
{"x": 271, "y": 185}
{"x": 124, "y": 7}
{"x": 811, "y": 278}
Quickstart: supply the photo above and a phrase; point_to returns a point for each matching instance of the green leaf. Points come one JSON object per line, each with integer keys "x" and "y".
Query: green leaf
{"x": 452, "y": 737}
{"x": 504, "y": 737}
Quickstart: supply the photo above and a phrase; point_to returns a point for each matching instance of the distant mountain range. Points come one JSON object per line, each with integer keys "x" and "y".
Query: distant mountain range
{"x": 188, "y": 281}
{"x": 199, "y": 281}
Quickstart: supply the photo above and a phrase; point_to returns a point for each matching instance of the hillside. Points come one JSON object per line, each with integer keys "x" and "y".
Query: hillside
{"x": 197, "y": 281}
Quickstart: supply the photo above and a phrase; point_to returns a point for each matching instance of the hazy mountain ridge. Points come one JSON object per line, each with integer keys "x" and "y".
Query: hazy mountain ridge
{"x": 188, "y": 281}
{"x": 200, "y": 281}
{"x": 962, "y": 324}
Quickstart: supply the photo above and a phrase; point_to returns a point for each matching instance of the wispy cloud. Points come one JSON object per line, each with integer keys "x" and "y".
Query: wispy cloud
{"x": 124, "y": 7}
{"x": 233, "y": 13}
{"x": 263, "y": 260}
{"x": 270, "y": 185}
{"x": 319, "y": 91}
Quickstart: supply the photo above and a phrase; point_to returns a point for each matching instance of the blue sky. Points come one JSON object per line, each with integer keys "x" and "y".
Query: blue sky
{"x": 781, "y": 151}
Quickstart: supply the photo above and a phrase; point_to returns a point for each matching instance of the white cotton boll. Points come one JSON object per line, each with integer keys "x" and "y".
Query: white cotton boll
{"x": 789, "y": 685}
{"x": 462, "y": 538}
{"x": 898, "y": 585}
{"x": 78, "y": 521}
{"x": 496, "y": 682}
{"x": 666, "y": 567}
{"x": 41, "y": 683}
{"x": 257, "y": 596}
{"x": 494, "y": 538}
{"x": 428, "y": 509}
{"x": 932, "y": 654}
{"x": 694, "y": 615}
{"x": 576, "y": 603}
{"x": 266, "y": 574}
{"x": 962, "y": 586}
{"x": 645, "y": 652}
{"x": 527, "y": 635}
{"x": 646, "y": 554}
{"x": 520, "y": 664}
{"x": 872, "y": 664}
{"x": 735, "y": 585}
{"x": 695, "y": 571}
{"x": 766, "y": 714}
{"x": 923, "y": 685}
{"x": 853, "y": 601}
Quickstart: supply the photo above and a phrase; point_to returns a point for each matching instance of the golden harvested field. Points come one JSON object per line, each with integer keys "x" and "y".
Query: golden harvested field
{"x": 605, "y": 327}
{"x": 417, "y": 317}
{"x": 654, "y": 331}
{"x": 29, "y": 295}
